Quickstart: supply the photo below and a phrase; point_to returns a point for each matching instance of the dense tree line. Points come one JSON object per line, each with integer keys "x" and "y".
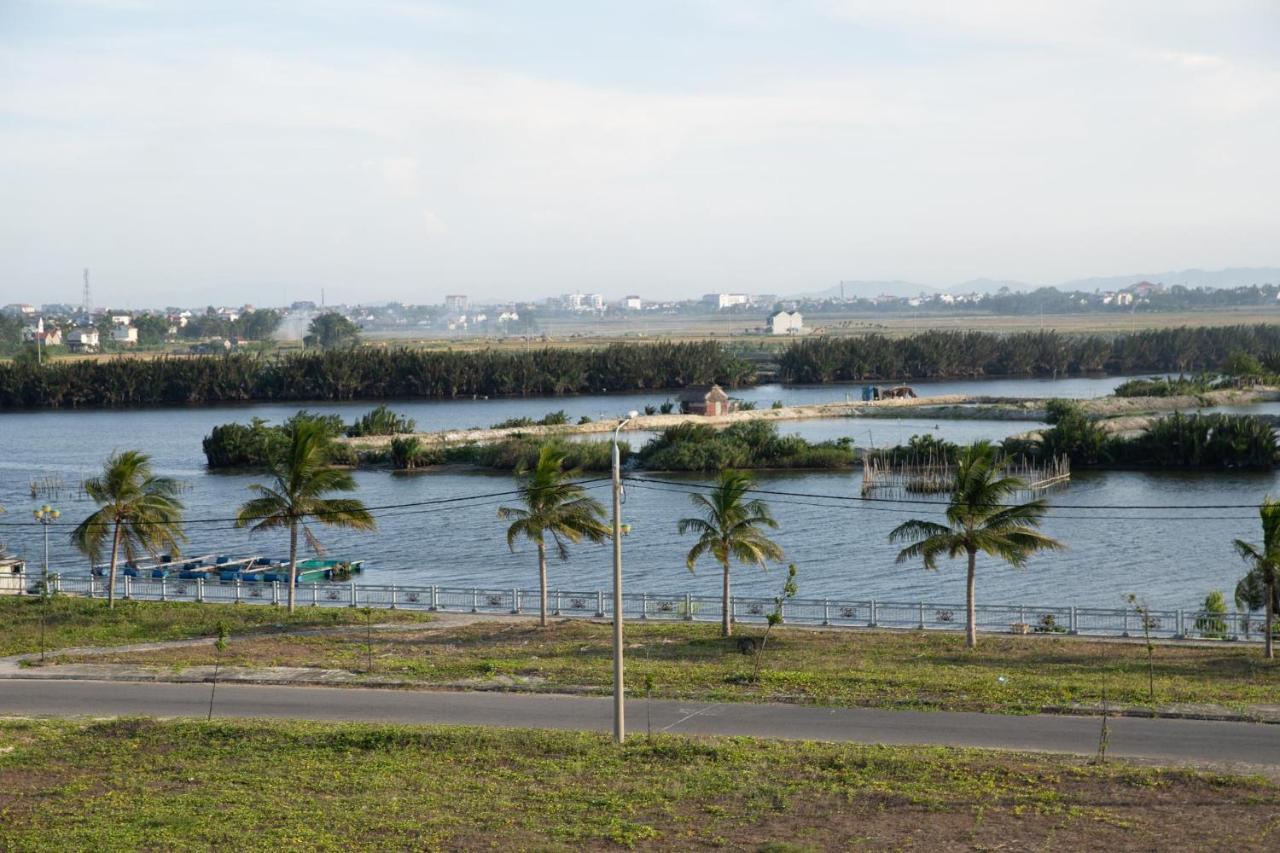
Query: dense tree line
{"x": 940, "y": 354}
{"x": 368, "y": 373}
{"x": 251, "y": 325}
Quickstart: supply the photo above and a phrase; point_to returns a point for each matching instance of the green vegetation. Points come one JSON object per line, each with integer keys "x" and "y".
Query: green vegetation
{"x": 747, "y": 444}
{"x": 138, "y": 513}
{"x": 978, "y": 519}
{"x": 1167, "y": 386}
{"x": 1175, "y": 441}
{"x": 72, "y": 622}
{"x": 133, "y": 784}
{"x": 556, "y": 418}
{"x": 554, "y": 508}
{"x": 381, "y": 421}
{"x": 941, "y": 354}
{"x": 730, "y": 529}
{"x": 1213, "y": 624}
{"x": 251, "y": 325}
{"x": 368, "y": 373}
{"x": 331, "y": 331}
{"x": 1259, "y": 588}
{"x": 302, "y": 477}
{"x": 689, "y": 660}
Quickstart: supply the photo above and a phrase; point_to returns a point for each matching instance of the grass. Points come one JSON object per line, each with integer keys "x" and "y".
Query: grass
{"x": 73, "y": 621}
{"x": 834, "y": 667}
{"x": 145, "y": 784}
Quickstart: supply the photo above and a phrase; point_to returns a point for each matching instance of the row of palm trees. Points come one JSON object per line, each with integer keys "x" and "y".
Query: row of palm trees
{"x": 142, "y": 513}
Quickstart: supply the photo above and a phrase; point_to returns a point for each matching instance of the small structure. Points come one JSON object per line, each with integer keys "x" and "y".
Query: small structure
{"x": 84, "y": 339}
{"x": 13, "y": 576}
{"x": 125, "y": 336}
{"x": 706, "y": 401}
{"x": 50, "y": 336}
{"x": 786, "y": 323}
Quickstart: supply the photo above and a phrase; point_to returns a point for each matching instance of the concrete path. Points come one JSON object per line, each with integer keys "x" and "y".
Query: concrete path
{"x": 1240, "y": 746}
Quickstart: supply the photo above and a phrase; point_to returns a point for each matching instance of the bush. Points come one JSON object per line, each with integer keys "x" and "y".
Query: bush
{"x": 749, "y": 444}
{"x": 381, "y": 421}
{"x": 1211, "y": 625}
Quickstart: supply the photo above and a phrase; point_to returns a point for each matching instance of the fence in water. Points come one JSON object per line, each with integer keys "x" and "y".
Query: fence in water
{"x": 674, "y": 607}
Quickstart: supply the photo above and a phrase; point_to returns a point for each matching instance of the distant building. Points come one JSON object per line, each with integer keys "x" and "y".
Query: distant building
{"x": 125, "y": 336}
{"x": 455, "y": 303}
{"x": 20, "y": 309}
{"x": 633, "y": 303}
{"x": 725, "y": 300}
{"x": 508, "y": 317}
{"x": 83, "y": 340}
{"x": 786, "y": 323}
{"x": 121, "y": 319}
{"x": 38, "y": 333}
{"x": 706, "y": 401}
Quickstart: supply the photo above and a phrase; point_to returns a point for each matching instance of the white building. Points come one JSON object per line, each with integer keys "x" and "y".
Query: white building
{"x": 633, "y": 303}
{"x": 726, "y": 300}
{"x": 455, "y": 303}
{"x": 126, "y": 336}
{"x": 83, "y": 340}
{"x": 50, "y": 337}
{"x": 121, "y": 319}
{"x": 508, "y": 317}
{"x": 786, "y": 323}
{"x": 20, "y": 309}
{"x": 595, "y": 301}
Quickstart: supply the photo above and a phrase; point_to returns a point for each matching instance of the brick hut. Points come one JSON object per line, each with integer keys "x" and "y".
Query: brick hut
{"x": 705, "y": 401}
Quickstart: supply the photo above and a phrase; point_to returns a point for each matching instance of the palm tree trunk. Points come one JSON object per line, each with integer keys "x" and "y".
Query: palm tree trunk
{"x": 971, "y": 630}
{"x": 542, "y": 584}
{"x": 111, "y": 573}
{"x": 726, "y": 619}
{"x": 1268, "y": 648}
{"x": 293, "y": 562}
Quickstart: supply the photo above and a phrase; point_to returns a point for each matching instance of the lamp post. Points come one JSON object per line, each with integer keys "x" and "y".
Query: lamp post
{"x": 619, "y": 714}
{"x": 46, "y": 515}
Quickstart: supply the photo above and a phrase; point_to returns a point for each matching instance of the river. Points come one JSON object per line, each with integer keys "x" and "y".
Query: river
{"x": 1171, "y": 558}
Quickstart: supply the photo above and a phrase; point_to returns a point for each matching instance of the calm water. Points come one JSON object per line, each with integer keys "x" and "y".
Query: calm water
{"x": 840, "y": 547}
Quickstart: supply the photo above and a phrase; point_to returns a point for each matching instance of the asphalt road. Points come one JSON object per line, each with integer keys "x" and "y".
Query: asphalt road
{"x": 1178, "y": 740}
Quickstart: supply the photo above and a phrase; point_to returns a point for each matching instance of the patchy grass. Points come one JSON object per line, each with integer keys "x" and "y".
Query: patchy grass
{"x": 71, "y": 621}
{"x": 836, "y": 667}
{"x": 144, "y": 784}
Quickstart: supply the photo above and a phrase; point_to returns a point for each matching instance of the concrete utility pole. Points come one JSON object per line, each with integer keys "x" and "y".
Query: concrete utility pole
{"x": 619, "y": 693}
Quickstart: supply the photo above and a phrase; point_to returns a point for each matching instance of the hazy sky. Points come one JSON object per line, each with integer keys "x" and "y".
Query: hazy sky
{"x": 227, "y": 151}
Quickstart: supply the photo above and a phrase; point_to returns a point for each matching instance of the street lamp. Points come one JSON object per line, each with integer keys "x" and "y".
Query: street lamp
{"x": 46, "y": 515}
{"x": 619, "y": 718}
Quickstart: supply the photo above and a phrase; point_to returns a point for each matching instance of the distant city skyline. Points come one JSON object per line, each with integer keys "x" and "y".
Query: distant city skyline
{"x": 392, "y": 150}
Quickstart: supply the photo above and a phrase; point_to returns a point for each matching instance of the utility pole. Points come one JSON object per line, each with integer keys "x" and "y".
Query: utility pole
{"x": 86, "y": 305}
{"x": 619, "y": 693}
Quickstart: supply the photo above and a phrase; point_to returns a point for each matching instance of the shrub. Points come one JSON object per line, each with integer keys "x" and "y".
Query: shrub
{"x": 1210, "y": 624}
{"x": 381, "y": 421}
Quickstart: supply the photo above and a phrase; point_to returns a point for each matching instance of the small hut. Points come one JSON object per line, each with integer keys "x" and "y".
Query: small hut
{"x": 706, "y": 401}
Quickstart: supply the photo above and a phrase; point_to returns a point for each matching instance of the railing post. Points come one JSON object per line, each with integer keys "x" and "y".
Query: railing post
{"x": 826, "y": 611}
{"x": 874, "y": 608}
{"x": 355, "y": 602}
{"x": 515, "y": 599}
{"x": 557, "y": 610}
{"x": 921, "y": 625}
{"x": 57, "y": 584}
{"x": 275, "y": 593}
{"x": 164, "y": 590}
{"x": 782, "y": 611}
{"x": 92, "y": 583}
{"x": 644, "y": 605}
{"x": 599, "y": 604}
{"x": 688, "y": 607}
{"x": 1181, "y": 626}
{"x": 435, "y": 597}
{"x": 733, "y": 609}
{"x": 393, "y": 596}
{"x": 200, "y": 590}
{"x": 1125, "y": 632}
{"x": 237, "y": 590}
{"x": 128, "y": 587}
{"x": 475, "y": 600}
{"x": 1074, "y": 627}
{"x": 315, "y": 595}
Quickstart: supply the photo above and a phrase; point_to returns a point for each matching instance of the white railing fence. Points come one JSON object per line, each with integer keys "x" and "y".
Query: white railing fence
{"x": 838, "y": 612}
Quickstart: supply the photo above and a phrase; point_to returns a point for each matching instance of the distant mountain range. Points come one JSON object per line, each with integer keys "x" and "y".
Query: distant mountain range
{"x": 1231, "y": 277}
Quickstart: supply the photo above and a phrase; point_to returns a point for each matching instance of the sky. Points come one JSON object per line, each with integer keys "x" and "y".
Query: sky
{"x": 223, "y": 152}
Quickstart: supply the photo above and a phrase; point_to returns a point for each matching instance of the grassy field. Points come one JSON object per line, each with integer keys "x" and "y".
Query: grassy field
{"x": 836, "y": 667}
{"x": 140, "y": 784}
{"x": 84, "y": 622}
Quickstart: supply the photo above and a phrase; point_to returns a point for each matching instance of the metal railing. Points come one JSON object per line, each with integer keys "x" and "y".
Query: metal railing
{"x": 837, "y": 612}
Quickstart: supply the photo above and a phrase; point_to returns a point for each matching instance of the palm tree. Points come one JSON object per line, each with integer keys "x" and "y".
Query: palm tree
{"x": 553, "y": 507}
{"x": 730, "y": 529}
{"x": 137, "y": 510}
{"x": 978, "y": 520}
{"x": 1264, "y": 569}
{"x": 302, "y": 477}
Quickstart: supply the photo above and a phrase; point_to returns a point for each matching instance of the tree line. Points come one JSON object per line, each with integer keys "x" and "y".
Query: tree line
{"x": 945, "y": 354}
{"x": 367, "y": 373}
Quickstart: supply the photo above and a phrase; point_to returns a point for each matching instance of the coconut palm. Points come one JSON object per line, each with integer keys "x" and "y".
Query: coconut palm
{"x": 1264, "y": 571}
{"x": 302, "y": 477}
{"x": 137, "y": 511}
{"x": 978, "y": 519}
{"x": 730, "y": 529}
{"x": 555, "y": 508}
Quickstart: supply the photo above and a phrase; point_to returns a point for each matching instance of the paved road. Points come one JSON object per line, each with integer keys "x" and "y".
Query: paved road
{"x": 1179, "y": 740}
